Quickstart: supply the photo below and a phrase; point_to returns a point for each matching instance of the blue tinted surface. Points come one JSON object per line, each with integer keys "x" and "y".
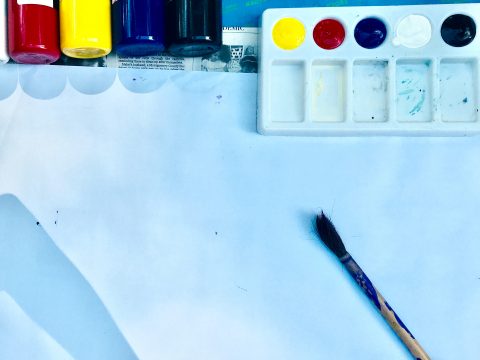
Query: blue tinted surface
{"x": 247, "y": 12}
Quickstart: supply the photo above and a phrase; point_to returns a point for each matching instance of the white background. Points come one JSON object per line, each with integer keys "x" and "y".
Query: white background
{"x": 196, "y": 233}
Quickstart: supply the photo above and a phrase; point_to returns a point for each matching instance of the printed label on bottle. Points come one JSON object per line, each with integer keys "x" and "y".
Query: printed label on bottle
{"x": 48, "y": 3}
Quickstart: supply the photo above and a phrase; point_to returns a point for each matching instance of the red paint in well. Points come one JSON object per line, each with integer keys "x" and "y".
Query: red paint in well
{"x": 329, "y": 34}
{"x": 33, "y": 33}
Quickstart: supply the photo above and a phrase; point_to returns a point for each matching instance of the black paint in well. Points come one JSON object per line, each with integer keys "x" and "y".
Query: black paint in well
{"x": 458, "y": 30}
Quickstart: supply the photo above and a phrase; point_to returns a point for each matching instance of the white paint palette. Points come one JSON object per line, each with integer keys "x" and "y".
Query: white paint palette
{"x": 376, "y": 70}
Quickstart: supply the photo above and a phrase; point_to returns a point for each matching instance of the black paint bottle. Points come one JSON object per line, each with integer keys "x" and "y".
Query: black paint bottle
{"x": 193, "y": 27}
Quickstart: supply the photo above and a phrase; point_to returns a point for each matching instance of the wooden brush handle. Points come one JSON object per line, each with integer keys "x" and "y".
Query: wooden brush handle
{"x": 384, "y": 308}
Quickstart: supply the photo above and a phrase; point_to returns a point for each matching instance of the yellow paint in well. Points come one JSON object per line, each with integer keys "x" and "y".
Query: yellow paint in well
{"x": 85, "y": 28}
{"x": 288, "y": 33}
{"x": 319, "y": 86}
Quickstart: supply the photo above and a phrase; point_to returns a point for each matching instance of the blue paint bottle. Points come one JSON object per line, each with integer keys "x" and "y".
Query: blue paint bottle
{"x": 138, "y": 27}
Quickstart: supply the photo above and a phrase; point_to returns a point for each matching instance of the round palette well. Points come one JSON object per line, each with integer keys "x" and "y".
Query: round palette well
{"x": 370, "y": 33}
{"x": 413, "y": 31}
{"x": 458, "y": 30}
{"x": 329, "y": 34}
{"x": 288, "y": 33}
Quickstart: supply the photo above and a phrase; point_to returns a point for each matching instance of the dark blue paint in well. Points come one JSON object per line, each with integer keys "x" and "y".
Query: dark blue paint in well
{"x": 138, "y": 27}
{"x": 370, "y": 33}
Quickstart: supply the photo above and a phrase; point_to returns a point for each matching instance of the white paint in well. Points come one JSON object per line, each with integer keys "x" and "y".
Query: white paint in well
{"x": 413, "y": 31}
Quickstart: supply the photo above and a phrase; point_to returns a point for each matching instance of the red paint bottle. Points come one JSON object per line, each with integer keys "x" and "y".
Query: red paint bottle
{"x": 33, "y": 31}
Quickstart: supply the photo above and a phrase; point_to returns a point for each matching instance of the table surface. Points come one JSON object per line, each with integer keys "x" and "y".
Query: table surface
{"x": 247, "y": 12}
{"x": 156, "y": 230}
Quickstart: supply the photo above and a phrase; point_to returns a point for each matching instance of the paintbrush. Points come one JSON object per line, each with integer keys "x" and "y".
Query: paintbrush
{"x": 330, "y": 237}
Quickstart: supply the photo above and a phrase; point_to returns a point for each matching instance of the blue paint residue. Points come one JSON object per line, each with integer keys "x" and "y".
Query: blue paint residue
{"x": 400, "y": 322}
{"x": 418, "y": 106}
{"x": 406, "y": 92}
{"x": 362, "y": 280}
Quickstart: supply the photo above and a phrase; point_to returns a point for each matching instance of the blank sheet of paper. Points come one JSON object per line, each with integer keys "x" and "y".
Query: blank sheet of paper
{"x": 190, "y": 236}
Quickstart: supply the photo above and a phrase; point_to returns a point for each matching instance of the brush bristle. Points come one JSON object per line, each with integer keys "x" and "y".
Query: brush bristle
{"x": 329, "y": 235}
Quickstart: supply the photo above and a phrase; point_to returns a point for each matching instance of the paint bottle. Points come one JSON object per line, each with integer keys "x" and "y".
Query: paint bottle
{"x": 193, "y": 27}
{"x": 138, "y": 27}
{"x": 33, "y": 31}
{"x": 85, "y": 28}
{"x": 3, "y": 32}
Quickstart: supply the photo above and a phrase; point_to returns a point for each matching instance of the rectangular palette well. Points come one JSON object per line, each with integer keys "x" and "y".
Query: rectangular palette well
{"x": 374, "y": 70}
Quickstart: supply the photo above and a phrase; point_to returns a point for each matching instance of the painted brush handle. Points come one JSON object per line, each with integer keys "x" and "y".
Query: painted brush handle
{"x": 384, "y": 308}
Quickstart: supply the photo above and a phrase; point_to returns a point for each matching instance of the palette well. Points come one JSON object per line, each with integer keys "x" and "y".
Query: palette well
{"x": 376, "y": 70}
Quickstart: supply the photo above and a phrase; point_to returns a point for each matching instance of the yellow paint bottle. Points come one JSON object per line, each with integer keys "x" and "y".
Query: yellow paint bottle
{"x": 85, "y": 28}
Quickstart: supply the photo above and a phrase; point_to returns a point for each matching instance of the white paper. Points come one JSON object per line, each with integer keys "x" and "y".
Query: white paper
{"x": 196, "y": 233}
